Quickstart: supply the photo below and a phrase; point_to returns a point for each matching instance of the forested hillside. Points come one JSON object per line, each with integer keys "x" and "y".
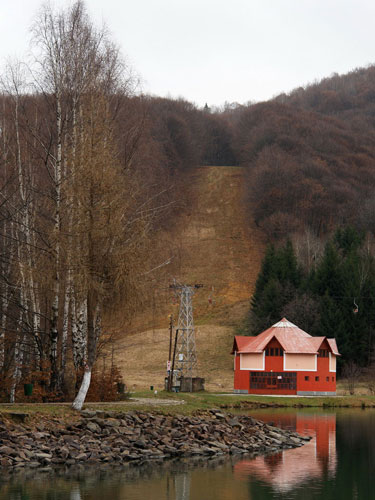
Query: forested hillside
{"x": 95, "y": 178}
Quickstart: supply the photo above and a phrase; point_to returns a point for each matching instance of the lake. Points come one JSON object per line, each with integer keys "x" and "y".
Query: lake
{"x": 337, "y": 464}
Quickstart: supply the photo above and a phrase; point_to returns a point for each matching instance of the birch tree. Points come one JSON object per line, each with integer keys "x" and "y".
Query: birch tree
{"x": 74, "y": 61}
{"x": 76, "y": 222}
{"x": 105, "y": 229}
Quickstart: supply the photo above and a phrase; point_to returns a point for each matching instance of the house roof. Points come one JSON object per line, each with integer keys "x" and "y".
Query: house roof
{"x": 332, "y": 344}
{"x": 291, "y": 338}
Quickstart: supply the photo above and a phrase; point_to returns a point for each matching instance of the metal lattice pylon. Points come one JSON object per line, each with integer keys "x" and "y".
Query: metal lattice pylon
{"x": 186, "y": 350}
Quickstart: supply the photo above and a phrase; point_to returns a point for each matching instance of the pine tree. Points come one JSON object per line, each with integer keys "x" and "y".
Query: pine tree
{"x": 328, "y": 275}
{"x": 277, "y": 285}
{"x": 348, "y": 239}
{"x": 289, "y": 270}
{"x": 266, "y": 312}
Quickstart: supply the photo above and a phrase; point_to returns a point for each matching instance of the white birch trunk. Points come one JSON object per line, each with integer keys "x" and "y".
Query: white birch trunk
{"x": 4, "y": 308}
{"x": 25, "y": 254}
{"x": 79, "y": 335}
{"x": 18, "y": 357}
{"x": 4, "y": 301}
{"x": 81, "y": 396}
{"x": 55, "y": 303}
{"x": 64, "y": 336}
{"x": 16, "y": 372}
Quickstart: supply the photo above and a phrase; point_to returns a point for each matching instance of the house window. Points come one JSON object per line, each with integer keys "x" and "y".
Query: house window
{"x": 307, "y": 377}
{"x": 273, "y": 380}
{"x": 274, "y": 351}
{"x": 333, "y": 379}
{"x": 327, "y": 379}
{"x": 323, "y": 353}
{"x": 316, "y": 379}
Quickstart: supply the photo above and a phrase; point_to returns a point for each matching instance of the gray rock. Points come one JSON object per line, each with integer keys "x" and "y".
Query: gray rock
{"x": 88, "y": 413}
{"x": 112, "y": 422}
{"x": 295, "y": 440}
{"x": 6, "y": 450}
{"x": 220, "y": 416}
{"x": 93, "y": 427}
{"x": 43, "y": 455}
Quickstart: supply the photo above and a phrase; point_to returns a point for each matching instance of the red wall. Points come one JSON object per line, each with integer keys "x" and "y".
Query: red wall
{"x": 241, "y": 377}
{"x": 275, "y": 363}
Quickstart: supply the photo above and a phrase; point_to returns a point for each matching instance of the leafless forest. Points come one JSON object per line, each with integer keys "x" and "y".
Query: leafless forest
{"x": 91, "y": 168}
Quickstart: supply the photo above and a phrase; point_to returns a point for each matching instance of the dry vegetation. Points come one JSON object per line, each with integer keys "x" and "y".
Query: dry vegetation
{"x": 210, "y": 243}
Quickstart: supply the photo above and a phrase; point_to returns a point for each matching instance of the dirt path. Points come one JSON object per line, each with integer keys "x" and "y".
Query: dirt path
{"x": 152, "y": 401}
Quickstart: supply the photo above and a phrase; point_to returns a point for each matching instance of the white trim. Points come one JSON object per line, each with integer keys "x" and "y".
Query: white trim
{"x": 255, "y": 369}
{"x": 234, "y": 359}
{"x": 300, "y": 369}
{"x": 329, "y": 367}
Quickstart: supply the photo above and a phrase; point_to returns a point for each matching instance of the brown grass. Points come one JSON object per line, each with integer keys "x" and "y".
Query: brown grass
{"x": 212, "y": 242}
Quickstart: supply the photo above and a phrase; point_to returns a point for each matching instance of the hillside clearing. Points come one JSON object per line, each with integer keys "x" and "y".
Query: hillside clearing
{"x": 212, "y": 242}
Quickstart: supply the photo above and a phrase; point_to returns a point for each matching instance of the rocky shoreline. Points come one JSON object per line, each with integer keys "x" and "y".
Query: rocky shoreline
{"x": 135, "y": 437}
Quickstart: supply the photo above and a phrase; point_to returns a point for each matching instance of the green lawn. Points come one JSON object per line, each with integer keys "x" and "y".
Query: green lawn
{"x": 192, "y": 403}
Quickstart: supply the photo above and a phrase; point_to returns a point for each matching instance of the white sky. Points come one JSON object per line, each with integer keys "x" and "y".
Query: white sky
{"x": 220, "y": 50}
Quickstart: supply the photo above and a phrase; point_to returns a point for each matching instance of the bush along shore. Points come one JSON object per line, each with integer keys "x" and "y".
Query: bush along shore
{"x": 135, "y": 437}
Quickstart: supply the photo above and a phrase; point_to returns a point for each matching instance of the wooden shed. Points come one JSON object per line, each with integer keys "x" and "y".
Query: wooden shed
{"x": 285, "y": 360}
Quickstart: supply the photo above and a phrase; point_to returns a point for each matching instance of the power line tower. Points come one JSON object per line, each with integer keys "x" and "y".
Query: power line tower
{"x": 186, "y": 349}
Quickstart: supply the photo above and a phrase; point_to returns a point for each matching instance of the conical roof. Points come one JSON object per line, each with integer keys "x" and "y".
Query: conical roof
{"x": 291, "y": 338}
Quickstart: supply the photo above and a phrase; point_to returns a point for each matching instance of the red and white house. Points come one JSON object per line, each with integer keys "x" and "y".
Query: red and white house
{"x": 285, "y": 360}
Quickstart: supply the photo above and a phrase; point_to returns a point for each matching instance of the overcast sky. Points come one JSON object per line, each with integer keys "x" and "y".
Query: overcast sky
{"x": 219, "y": 50}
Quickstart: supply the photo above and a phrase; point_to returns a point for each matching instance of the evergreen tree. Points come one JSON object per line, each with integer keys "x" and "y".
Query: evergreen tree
{"x": 289, "y": 270}
{"x": 348, "y": 239}
{"x": 328, "y": 276}
{"x": 277, "y": 284}
{"x": 336, "y": 300}
{"x": 266, "y": 312}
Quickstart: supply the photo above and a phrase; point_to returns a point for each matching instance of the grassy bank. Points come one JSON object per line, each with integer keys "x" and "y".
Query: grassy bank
{"x": 207, "y": 400}
{"x": 191, "y": 403}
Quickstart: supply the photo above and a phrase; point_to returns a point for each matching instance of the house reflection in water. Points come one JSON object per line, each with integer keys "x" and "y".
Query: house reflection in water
{"x": 291, "y": 468}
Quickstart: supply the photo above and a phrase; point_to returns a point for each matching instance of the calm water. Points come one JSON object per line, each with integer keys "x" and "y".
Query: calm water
{"x": 338, "y": 464}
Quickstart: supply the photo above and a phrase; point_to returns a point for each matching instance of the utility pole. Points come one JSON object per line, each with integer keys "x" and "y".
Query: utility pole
{"x": 170, "y": 335}
{"x": 186, "y": 349}
{"x": 171, "y": 373}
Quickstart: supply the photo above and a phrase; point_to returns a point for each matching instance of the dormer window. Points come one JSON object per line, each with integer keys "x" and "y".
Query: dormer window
{"x": 323, "y": 353}
{"x": 274, "y": 351}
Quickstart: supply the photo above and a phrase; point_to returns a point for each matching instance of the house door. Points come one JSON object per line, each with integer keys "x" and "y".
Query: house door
{"x": 271, "y": 381}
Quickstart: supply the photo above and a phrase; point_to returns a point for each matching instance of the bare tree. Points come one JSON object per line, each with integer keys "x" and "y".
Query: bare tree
{"x": 352, "y": 373}
{"x": 75, "y": 63}
{"x": 75, "y": 211}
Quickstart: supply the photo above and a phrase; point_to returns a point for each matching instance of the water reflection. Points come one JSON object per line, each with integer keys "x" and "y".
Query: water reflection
{"x": 75, "y": 493}
{"x": 182, "y": 486}
{"x": 286, "y": 470}
{"x": 324, "y": 469}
